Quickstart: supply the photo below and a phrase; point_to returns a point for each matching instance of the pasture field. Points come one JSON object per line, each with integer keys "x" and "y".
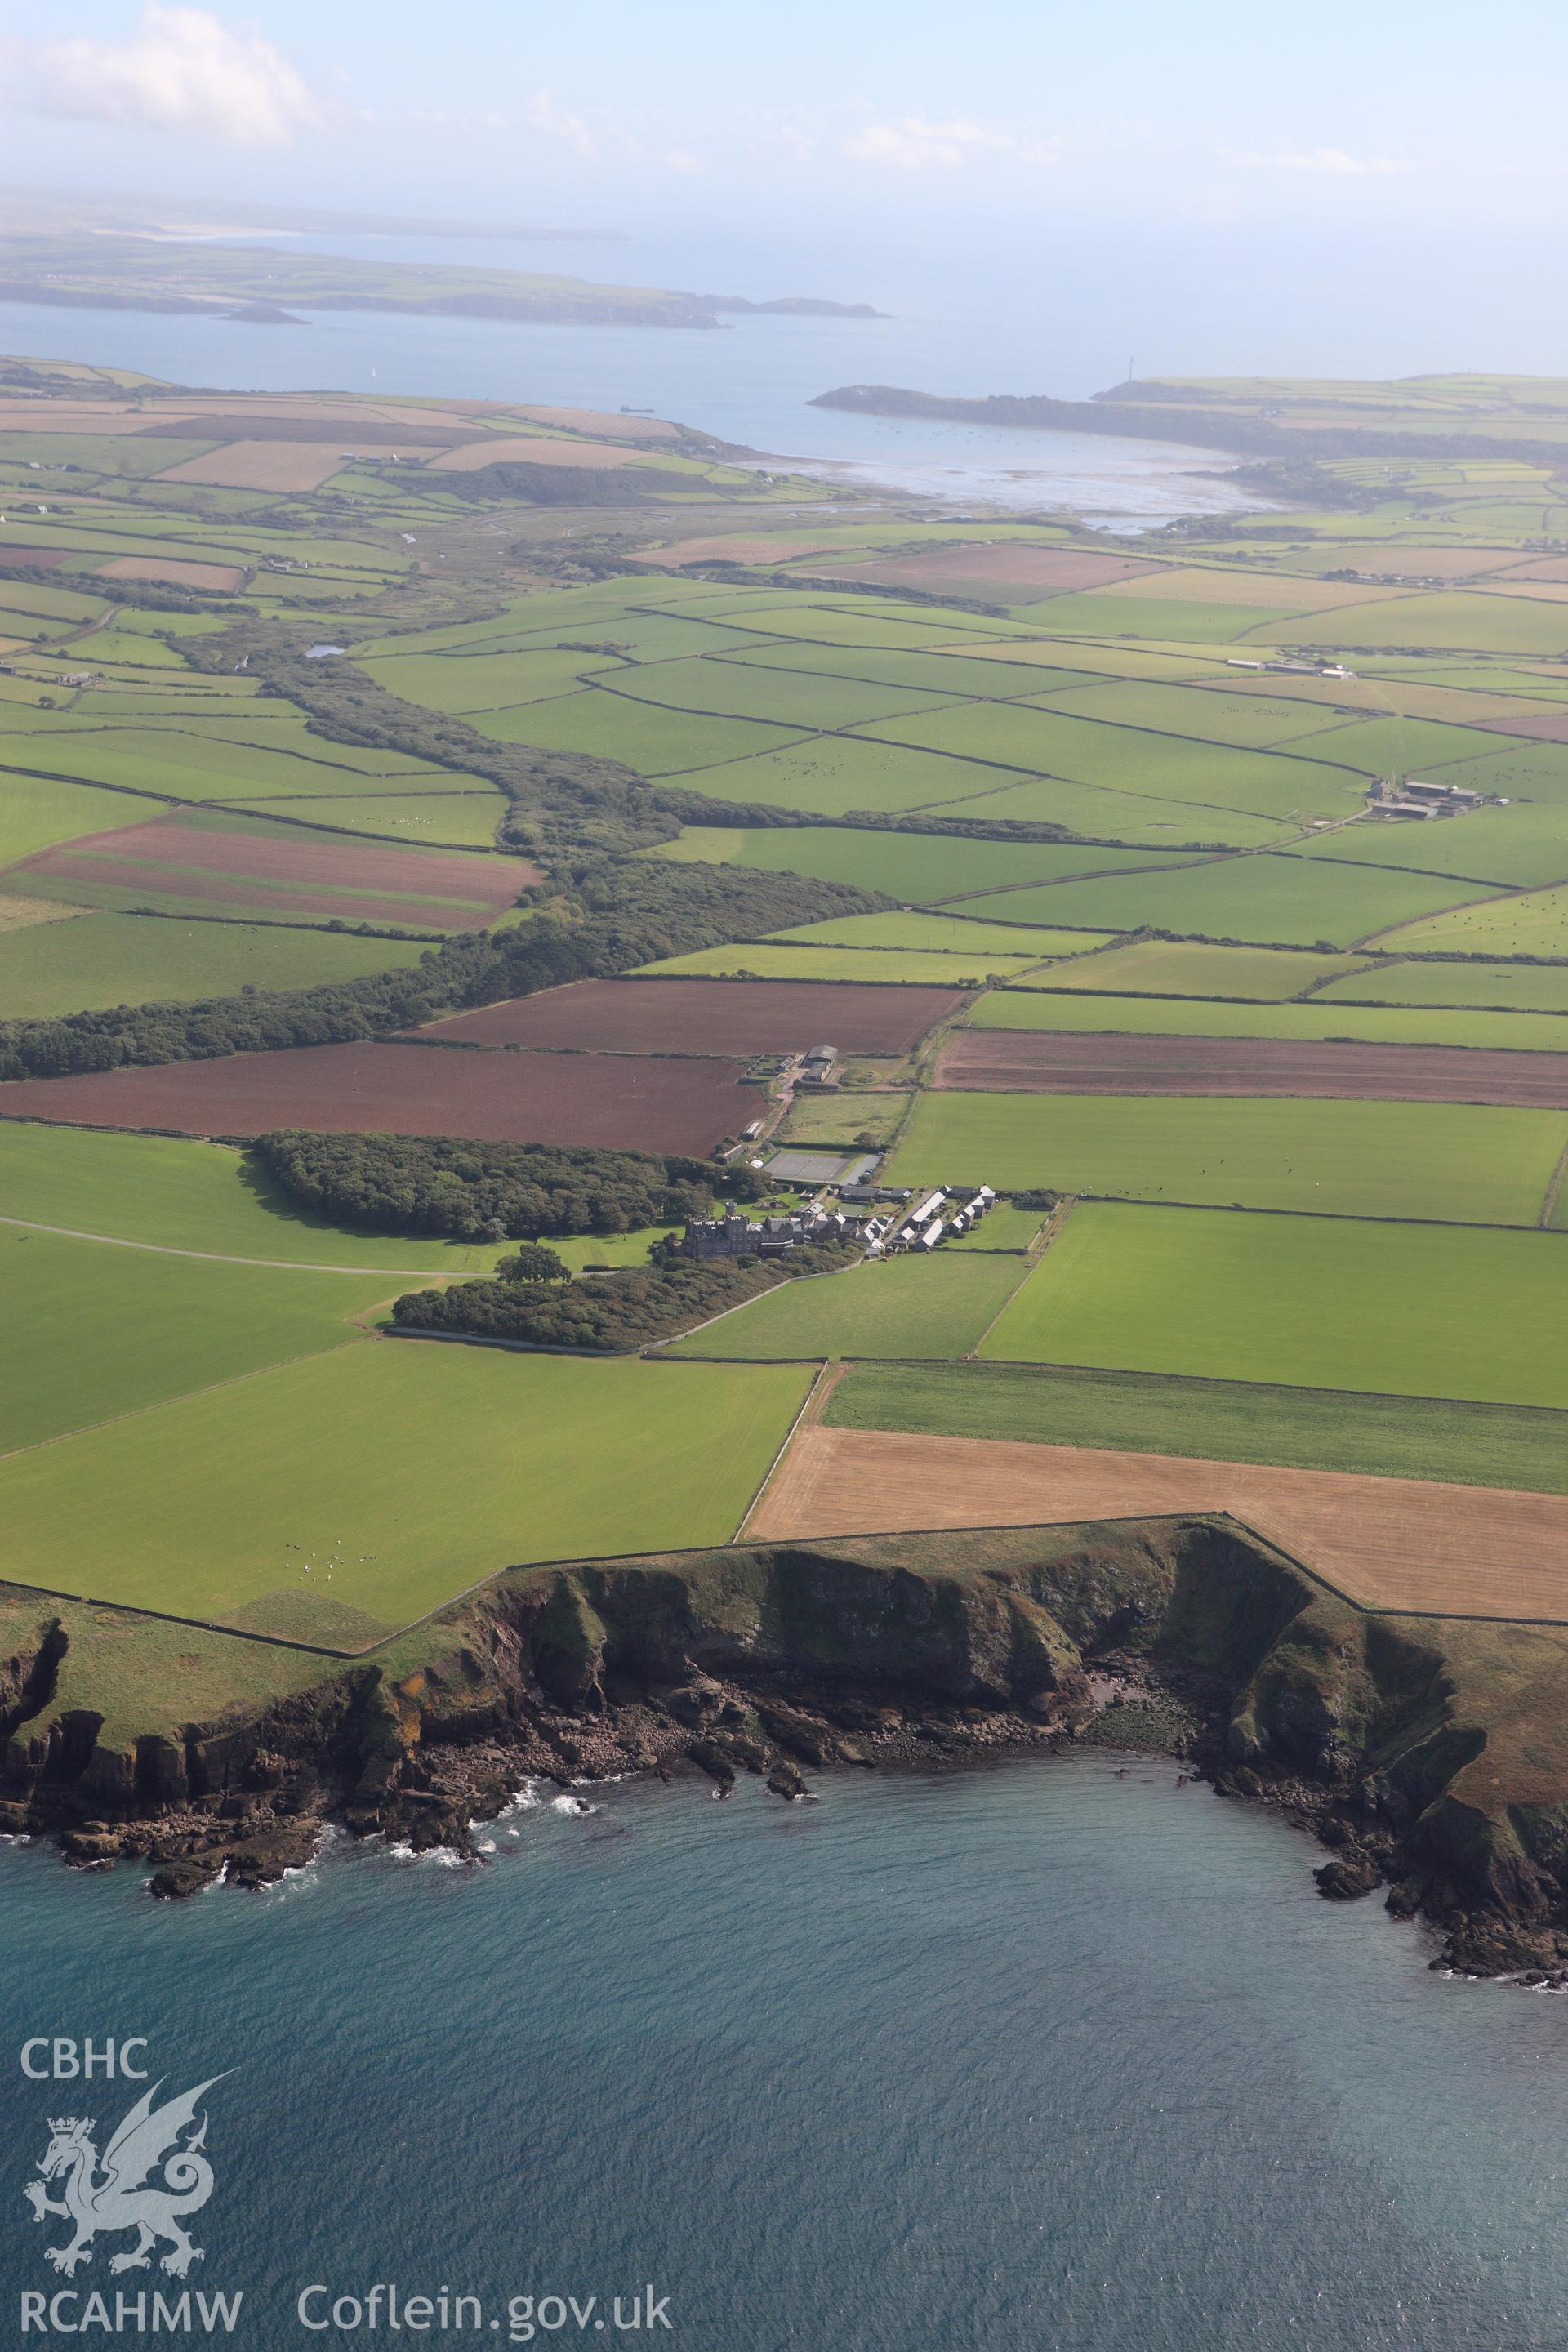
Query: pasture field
{"x": 949, "y": 672}
{"x": 36, "y": 811}
{"x": 734, "y": 688}
{"x": 94, "y": 1330}
{"x": 840, "y": 1117}
{"x": 930, "y": 1306}
{"x": 477, "y": 680}
{"x": 1519, "y": 769}
{"x": 922, "y": 869}
{"x": 655, "y": 742}
{"x": 455, "y": 820}
{"x": 1458, "y": 1162}
{"x": 1292, "y": 900}
{"x": 1108, "y": 613}
{"x": 1202, "y": 713}
{"x": 1534, "y": 923}
{"x": 1519, "y": 845}
{"x": 89, "y": 961}
{"x": 1179, "y": 968}
{"x": 1131, "y": 758}
{"x": 895, "y": 967}
{"x": 406, "y": 1470}
{"x": 1473, "y": 623}
{"x": 1320, "y": 1018}
{"x": 1407, "y": 1310}
{"x": 845, "y": 775}
{"x": 1539, "y": 988}
{"x": 1220, "y": 1420}
{"x": 175, "y": 1195}
{"x": 947, "y": 933}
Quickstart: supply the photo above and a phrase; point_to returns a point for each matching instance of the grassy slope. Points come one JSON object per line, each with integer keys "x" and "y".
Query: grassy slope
{"x": 93, "y": 962}
{"x": 424, "y": 1467}
{"x": 906, "y": 1308}
{"x": 1450, "y": 1160}
{"x": 1308, "y": 1429}
{"x": 192, "y": 1196}
{"x": 1411, "y": 1310}
{"x": 93, "y": 1330}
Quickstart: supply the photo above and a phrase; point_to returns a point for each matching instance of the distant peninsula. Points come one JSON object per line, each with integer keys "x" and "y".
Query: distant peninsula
{"x": 1270, "y": 418}
{"x": 95, "y": 271}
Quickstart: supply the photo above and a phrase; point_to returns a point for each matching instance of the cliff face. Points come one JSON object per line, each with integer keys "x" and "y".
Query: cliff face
{"x": 1425, "y": 1753}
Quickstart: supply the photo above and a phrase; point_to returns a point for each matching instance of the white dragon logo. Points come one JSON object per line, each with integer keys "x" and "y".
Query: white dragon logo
{"x": 121, "y": 2197}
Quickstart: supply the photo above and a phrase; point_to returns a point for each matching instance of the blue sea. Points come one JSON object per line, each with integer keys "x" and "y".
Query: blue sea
{"x": 1052, "y": 2054}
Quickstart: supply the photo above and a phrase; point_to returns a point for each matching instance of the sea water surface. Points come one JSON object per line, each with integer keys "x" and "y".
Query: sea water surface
{"x": 1054, "y": 2054}
{"x": 751, "y": 381}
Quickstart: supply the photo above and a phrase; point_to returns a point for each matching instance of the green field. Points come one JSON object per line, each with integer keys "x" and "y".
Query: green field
{"x": 842, "y": 775}
{"x": 1534, "y": 923}
{"x": 1474, "y": 623}
{"x": 204, "y": 1197}
{"x": 36, "y": 812}
{"x": 919, "y": 867}
{"x": 760, "y": 960}
{"x": 89, "y": 961}
{"x": 1251, "y": 722}
{"x": 1409, "y": 1310}
{"x": 1216, "y": 1420}
{"x": 1293, "y": 901}
{"x": 405, "y": 1471}
{"x": 655, "y": 742}
{"x": 1028, "y": 1007}
{"x": 94, "y": 1330}
{"x": 1458, "y": 1162}
{"x": 907, "y": 1306}
{"x": 1522, "y": 844}
{"x": 1003, "y": 1228}
{"x": 1537, "y": 988}
{"x": 945, "y": 933}
{"x": 1177, "y": 968}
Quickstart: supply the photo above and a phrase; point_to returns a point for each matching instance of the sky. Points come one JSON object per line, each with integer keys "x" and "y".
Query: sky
{"x": 1417, "y": 143}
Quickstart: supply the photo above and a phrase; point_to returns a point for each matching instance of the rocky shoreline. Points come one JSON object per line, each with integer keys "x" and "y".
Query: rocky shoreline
{"x": 1191, "y": 1639}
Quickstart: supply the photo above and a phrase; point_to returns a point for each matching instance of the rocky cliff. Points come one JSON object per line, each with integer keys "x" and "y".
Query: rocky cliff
{"x": 1424, "y": 1753}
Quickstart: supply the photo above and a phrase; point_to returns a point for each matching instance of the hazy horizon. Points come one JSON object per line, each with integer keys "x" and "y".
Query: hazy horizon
{"x": 1233, "y": 198}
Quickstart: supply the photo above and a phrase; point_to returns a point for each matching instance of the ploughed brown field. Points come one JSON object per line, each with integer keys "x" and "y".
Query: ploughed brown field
{"x": 535, "y": 449}
{"x": 709, "y": 1016}
{"x": 1047, "y": 1062}
{"x": 635, "y": 1102}
{"x": 32, "y": 559}
{"x": 1548, "y": 727}
{"x": 1387, "y": 1543}
{"x": 1046, "y": 571}
{"x": 361, "y": 881}
{"x": 738, "y": 547}
{"x": 265, "y": 465}
{"x": 180, "y": 570}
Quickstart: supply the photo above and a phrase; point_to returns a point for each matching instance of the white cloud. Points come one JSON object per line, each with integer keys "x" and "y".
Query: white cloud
{"x": 181, "y": 70}
{"x": 914, "y": 144}
{"x": 545, "y": 115}
{"x": 1330, "y": 161}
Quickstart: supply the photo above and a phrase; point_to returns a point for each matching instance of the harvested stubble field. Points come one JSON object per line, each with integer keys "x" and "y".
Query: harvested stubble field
{"x": 1046, "y": 1062}
{"x": 641, "y": 1102}
{"x": 1387, "y": 1543}
{"x": 708, "y": 1017}
{"x": 263, "y": 465}
{"x": 283, "y": 871}
{"x": 1032, "y": 572}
